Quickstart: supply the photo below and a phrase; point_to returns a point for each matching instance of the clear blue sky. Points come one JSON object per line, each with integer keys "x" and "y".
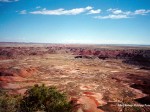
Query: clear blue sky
{"x": 75, "y": 21}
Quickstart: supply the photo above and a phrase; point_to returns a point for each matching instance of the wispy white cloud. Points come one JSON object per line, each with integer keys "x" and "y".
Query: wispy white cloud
{"x": 94, "y": 11}
{"x": 62, "y": 11}
{"x": 141, "y": 12}
{"x": 9, "y": 0}
{"x": 23, "y": 12}
{"x": 118, "y": 11}
{"x": 136, "y": 12}
{"x": 115, "y": 14}
{"x": 114, "y": 11}
{"x": 112, "y": 17}
{"x": 120, "y": 14}
{"x": 107, "y": 14}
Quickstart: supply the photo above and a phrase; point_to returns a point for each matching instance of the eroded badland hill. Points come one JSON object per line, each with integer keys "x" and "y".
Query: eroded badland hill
{"x": 100, "y": 77}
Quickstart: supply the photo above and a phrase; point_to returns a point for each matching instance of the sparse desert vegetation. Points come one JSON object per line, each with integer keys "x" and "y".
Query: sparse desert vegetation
{"x": 95, "y": 78}
{"x": 37, "y": 98}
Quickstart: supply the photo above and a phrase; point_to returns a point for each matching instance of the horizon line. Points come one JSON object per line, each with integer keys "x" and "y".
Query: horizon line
{"x": 78, "y": 43}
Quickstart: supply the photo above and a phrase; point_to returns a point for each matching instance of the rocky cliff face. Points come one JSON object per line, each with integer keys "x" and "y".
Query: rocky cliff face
{"x": 140, "y": 57}
{"x": 130, "y": 56}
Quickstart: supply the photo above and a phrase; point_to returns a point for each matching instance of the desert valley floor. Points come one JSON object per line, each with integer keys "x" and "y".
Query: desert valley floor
{"x": 108, "y": 75}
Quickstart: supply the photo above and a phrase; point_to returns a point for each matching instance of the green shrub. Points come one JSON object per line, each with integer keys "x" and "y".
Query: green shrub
{"x": 41, "y": 98}
{"x": 9, "y": 103}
